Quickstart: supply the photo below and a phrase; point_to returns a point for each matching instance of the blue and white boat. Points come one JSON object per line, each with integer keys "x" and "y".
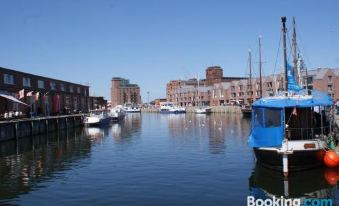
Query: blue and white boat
{"x": 117, "y": 113}
{"x": 97, "y": 118}
{"x": 169, "y": 107}
{"x": 130, "y": 108}
{"x": 289, "y": 131}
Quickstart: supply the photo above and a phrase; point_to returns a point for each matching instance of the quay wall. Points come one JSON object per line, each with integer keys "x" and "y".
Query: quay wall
{"x": 14, "y": 129}
{"x": 215, "y": 109}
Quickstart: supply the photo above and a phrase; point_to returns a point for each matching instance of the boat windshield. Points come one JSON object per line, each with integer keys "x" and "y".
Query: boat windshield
{"x": 267, "y": 117}
{"x": 267, "y": 129}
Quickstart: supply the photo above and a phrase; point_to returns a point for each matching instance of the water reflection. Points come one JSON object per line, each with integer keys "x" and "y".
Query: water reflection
{"x": 96, "y": 134}
{"x": 127, "y": 128}
{"x": 148, "y": 159}
{"x": 25, "y": 163}
{"x": 216, "y": 127}
{"x": 316, "y": 183}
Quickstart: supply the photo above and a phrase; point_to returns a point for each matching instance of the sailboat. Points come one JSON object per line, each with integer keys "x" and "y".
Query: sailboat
{"x": 289, "y": 130}
{"x": 201, "y": 109}
{"x": 246, "y": 110}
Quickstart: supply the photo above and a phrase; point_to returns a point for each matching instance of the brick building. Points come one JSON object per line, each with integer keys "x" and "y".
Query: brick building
{"x": 45, "y": 96}
{"x": 123, "y": 92}
{"x": 97, "y": 103}
{"x": 216, "y": 91}
{"x": 187, "y": 92}
{"x": 325, "y": 80}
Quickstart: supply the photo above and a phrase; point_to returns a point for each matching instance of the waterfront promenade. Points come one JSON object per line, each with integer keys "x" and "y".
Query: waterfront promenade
{"x": 18, "y": 128}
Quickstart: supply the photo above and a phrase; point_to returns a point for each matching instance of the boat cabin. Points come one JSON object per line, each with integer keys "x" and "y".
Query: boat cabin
{"x": 294, "y": 117}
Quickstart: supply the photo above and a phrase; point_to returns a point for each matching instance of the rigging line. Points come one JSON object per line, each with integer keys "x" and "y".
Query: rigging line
{"x": 303, "y": 54}
{"x": 254, "y": 57}
{"x": 276, "y": 58}
{"x": 290, "y": 44}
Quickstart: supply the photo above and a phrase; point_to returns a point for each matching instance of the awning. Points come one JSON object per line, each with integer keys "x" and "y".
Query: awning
{"x": 300, "y": 100}
{"x": 12, "y": 98}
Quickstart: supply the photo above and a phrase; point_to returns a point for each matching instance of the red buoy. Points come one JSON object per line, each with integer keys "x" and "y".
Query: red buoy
{"x": 331, "y": 159}
{"x": 331, "y": 176}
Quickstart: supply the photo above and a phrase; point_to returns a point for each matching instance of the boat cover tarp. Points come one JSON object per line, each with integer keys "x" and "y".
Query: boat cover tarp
{"x": 12, "y": 98}
{"x": 298, "y": 100}
{"x": 265, "y": 135}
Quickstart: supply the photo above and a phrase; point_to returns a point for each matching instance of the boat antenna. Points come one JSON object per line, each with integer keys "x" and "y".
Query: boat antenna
{"x": 260, "y": 64}
{"x": 294, "y": 45}
{"x": 250, "y": 67}
{"x": 198, "y": 99}
{"x": 283, "y": 20}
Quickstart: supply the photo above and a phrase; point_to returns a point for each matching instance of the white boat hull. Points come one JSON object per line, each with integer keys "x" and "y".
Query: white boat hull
{"x": 203, "y": 110}
{"x": 302, "y": 154}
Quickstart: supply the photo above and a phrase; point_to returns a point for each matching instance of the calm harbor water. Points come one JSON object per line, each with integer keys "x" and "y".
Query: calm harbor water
{"x": 149, "y": 159}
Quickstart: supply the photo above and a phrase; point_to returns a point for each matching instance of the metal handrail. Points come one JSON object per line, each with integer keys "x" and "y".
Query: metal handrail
{"x": 307, "y": 133}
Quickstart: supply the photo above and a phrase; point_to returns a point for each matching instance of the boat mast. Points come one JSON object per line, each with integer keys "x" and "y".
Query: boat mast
{"x": 283, "y": 20}
{"x": 294, "y": 45}
{"x": 250, "y": 80}
{"x": 198, "y": 91}
{"x": 260, "y": 63}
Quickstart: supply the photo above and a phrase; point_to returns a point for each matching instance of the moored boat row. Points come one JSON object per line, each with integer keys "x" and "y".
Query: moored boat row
{"x": 168, "y": 107}
{"x": 104, "y": 117}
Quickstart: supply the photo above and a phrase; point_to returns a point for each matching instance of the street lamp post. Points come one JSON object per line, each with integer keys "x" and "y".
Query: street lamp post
{"x": 148, "y": 98}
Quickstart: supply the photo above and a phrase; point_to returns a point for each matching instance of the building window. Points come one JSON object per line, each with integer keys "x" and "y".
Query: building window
{"x": 78, "y": 90}
{"x": 75, "y": 103}
{"x": 329, "y": 88}
{"x": 26, "y": 82}
{"x": 8, "y": 79}
{"x": 41, "y": 84}
{"x": 269, "y": 84}
{"x": 309, "y": 80}
{"x": 52, "y": 85}
{"x": 329, "y": 78}
{"x": 85, "y": 91}
{"x": 62, "y": 87}
{"x": 71, "y": 88}
{"x": 124, "y": 97}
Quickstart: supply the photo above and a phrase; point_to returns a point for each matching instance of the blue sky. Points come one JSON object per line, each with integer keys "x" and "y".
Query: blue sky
{"x": 152, "y": 42}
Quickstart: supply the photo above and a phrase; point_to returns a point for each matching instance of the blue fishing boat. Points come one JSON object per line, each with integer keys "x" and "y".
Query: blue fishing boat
{"x": 289, "y": 131}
